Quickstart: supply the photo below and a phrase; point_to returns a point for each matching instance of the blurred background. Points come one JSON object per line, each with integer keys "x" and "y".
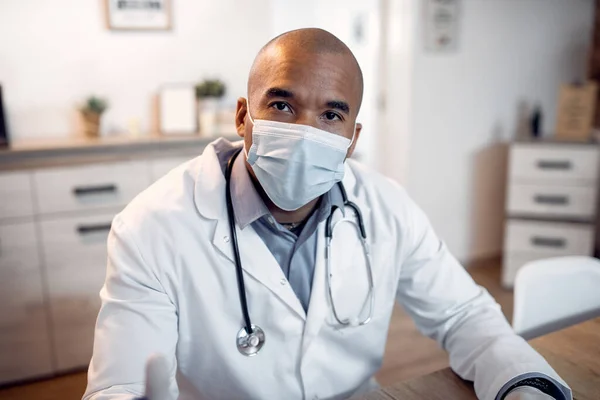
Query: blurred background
{"x": 485, "y": 110}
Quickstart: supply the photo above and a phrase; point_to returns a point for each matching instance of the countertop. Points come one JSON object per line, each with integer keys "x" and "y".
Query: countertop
{"x": 37, "y": 153}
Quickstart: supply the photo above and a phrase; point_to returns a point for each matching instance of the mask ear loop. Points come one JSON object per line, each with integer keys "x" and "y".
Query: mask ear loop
{"x": 248, "y": 110}
{"x": 251, "y": 120}
{"x": 353, "y": 136}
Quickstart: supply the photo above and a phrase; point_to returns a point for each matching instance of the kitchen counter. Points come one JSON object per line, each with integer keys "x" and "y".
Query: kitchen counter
{"x": 40, "y": 153}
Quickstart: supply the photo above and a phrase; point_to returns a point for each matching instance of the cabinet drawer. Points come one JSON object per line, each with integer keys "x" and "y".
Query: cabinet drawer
{"x": 561, "y": 164}
{"x": 75, "y": 254}
{"x": 89, "y": 187}
{"x": 160, "y": 167}
{"x": 24, "y": 337}
{"x": 551, "y": 239}
{"x": 552, "y": 201}
{"x": 16, "y": 195}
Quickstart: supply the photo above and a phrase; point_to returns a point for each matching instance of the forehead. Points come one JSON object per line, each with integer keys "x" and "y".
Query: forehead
{"x": 319, "y": 77}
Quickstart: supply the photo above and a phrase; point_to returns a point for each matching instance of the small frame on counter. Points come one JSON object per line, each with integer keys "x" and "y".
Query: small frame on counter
{"x": 177, "y": 108}
{"x": 138, "y": 14}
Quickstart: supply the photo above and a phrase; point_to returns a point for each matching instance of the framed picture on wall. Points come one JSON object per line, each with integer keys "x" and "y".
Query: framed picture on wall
{"x": 138, "y": 14}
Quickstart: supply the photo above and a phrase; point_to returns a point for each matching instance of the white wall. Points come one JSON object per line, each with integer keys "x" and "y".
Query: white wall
{"x": 53, "y": 54}
{"x": 465, "y": 105}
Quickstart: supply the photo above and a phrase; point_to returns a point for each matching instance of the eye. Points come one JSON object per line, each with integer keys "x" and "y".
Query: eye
{"x": 332, "y": 116}
{"x": 281, "y": 106}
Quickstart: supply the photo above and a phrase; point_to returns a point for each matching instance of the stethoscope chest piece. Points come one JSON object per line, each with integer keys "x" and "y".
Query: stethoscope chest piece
{"x": 250, "y": 344}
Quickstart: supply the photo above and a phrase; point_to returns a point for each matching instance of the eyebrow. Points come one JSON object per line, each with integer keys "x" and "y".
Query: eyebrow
{"x": 278, "y": 92}
{"x": 339, "y": 105}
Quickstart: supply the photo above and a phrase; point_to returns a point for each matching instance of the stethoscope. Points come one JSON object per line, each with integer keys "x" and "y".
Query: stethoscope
{"x": 251, "y": 338}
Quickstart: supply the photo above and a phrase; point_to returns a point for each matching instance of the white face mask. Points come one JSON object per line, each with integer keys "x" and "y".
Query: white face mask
{"x": 295, "y": 163}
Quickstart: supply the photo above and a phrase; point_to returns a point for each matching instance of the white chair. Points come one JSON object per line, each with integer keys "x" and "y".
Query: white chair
{"x": 554, "y": 293}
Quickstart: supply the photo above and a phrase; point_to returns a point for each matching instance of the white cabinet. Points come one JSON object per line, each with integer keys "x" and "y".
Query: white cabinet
{"x": 25, "y": 349}
{"x": 54, "y": 224}
{"x": 15, "y": 195}
{"x": 75, "y": 256}
{"x": 89, "y": 187}
{"x": 551, "y": 203}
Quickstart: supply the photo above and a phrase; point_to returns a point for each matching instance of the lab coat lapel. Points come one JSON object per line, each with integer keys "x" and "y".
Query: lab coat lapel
{"x": 257, "y": 261}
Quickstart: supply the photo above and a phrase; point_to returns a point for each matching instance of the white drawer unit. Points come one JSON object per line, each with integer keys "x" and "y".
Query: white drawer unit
{"x": 556, "y": 163}
{"x": 56, "y": 212}
{"x": 25, "y": 347}
{"x": 75, "y": 255}
{"x": 549, "y": 238}
{"x": 551, "y": 203}
{"x": 160, "y": 167}
{"x": 577, "y": 202}
{"x": 16, "y": 198}
{"x": 89, "y": 187}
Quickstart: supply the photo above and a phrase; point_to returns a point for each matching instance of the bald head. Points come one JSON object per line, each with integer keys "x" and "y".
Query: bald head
{"x": 304, "y": 45}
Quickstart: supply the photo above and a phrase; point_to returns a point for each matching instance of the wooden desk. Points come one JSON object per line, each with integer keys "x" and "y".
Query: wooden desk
{"x": 573, "y": 352}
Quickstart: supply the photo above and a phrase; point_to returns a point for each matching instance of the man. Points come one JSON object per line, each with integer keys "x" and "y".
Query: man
{"x": 314, "y": 318}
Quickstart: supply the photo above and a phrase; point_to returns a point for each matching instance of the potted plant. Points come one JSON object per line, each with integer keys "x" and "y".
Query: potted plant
{"x": 92, "y": 111}
{"x": 209, "y": 93}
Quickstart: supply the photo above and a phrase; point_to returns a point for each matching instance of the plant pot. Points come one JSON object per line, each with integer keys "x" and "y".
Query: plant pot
{"x": 208, "y": 110}
{"x": 91, "y": 124}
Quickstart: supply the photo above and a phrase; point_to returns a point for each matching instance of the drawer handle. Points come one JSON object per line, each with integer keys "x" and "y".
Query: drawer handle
{"x": 85, "y": 190}
{"x": 85, "y": 229}
{"x": 557, "y": 200}
{"x": 554, "y": 164}
{"x": 557, "y": 243}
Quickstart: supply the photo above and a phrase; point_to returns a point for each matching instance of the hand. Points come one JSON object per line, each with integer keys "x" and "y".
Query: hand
{"x": 527, "y": 393}
{"x": 158, "y": 378}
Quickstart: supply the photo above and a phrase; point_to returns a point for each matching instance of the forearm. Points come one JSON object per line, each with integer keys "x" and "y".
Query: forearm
{"x": 484, "y": 349}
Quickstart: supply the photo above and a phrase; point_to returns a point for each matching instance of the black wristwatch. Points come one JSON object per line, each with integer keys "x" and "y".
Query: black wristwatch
{"x": 541, "y": 384}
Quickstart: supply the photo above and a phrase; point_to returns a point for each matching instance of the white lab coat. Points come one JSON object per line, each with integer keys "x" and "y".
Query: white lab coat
{"x": 171, "y": 288}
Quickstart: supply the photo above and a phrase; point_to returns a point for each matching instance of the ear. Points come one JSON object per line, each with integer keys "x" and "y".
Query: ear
{"x": 356, "y": 136}
{"x": 240, "y": 116}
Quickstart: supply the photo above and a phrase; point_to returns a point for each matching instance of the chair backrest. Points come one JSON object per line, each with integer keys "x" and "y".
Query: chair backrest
{"x": 553, "y": 293}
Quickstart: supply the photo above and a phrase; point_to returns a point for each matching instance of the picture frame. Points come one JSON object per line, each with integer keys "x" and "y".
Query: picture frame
{"x": 177, "y": 108}
{"x": 139, "y": 15}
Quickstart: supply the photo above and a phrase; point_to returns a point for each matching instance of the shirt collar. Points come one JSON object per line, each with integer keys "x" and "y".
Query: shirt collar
{"x": 249, "y": 206}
